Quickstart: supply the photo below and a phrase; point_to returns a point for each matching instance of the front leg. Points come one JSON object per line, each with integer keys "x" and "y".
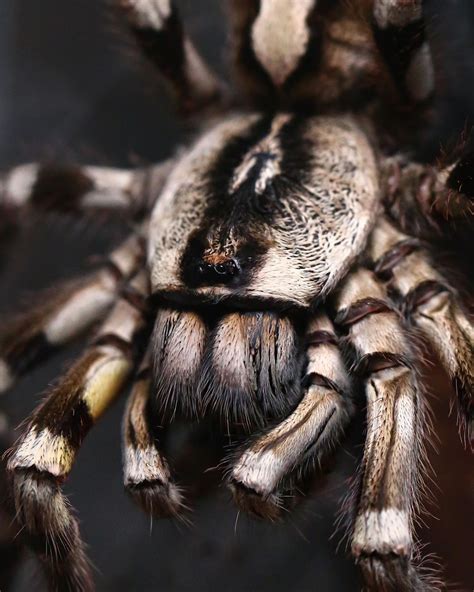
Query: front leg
{"x": 41, "y": 460}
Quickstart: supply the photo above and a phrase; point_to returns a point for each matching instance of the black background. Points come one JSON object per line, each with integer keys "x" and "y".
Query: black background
{"x": 65, "y": 90}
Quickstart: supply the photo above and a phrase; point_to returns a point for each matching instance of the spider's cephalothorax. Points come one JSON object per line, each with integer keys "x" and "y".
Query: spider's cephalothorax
{"x": 257, "y": 198}
{"x": 277, "y": 264}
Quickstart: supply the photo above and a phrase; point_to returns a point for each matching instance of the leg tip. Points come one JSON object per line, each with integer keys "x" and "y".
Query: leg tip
{"x": 264, "y": 507}
{"x": 394, "y": 573}
{"x": 157, "y": 499}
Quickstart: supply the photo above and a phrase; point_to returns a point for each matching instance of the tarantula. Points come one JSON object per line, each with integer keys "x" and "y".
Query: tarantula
{"x": 277, "y": 265}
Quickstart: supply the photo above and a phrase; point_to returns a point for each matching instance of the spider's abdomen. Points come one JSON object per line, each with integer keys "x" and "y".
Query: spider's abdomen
{"x": 265, "y": 208}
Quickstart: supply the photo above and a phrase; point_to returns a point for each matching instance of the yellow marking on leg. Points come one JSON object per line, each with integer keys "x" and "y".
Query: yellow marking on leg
{"x": 108, "y": 378}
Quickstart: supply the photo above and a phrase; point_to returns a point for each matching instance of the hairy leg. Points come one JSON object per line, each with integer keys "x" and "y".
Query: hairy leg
{"x": 43, "y": 457}
{"x": 66, "y": 189}
{"x": 433, "y": 307}
{"x": 260, "y": 471}
{"x": 64, "y": 313}
{"x": 381, "y": 538}
{"x": 147, "y": 476}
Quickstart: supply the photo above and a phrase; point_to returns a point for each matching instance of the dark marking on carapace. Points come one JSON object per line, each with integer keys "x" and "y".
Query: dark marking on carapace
{"x": 239, "y": 214}
{"x": 297, "y": 151}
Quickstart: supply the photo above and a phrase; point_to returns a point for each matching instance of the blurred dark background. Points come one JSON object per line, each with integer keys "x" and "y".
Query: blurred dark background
{"x": 65, "y": 90}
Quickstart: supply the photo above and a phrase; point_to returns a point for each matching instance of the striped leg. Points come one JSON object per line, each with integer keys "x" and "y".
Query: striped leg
{"x": 269, "y": 40}
{"x": 147, "y": 475}
{"x": 44, "y": 455}
{"x": 76, "y": 189}
{"x": 158, "y": 31}
{"x": 431, "y": 304}
{"x": 259, "y": 473}
{"x": 63, "y": 313}
{"x": 382, "y": 533}
{"x": 399, "y": 31}
{"x": 424, "y": 198}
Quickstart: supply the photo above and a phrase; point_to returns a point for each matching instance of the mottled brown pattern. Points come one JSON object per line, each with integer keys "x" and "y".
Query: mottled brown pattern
{"x": 339, "y": 56}
{"x": 420, "y": 200}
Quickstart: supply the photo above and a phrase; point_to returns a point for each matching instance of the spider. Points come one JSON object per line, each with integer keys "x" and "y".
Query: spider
{"x": 278, "y": 264}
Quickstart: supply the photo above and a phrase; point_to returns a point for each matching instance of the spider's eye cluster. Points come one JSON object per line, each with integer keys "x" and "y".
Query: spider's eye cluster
{"x": 219, "y": 272}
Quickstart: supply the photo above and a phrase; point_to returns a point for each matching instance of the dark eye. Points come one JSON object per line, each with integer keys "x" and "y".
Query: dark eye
{"x": 221, "y": 268}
